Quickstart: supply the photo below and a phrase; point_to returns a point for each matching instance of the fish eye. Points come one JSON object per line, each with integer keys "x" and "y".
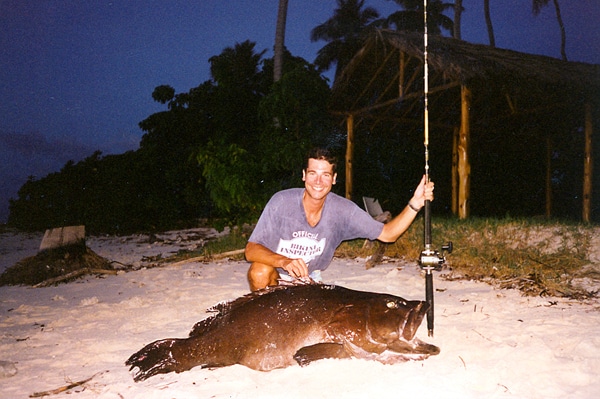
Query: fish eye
{"x": 392, "y": 305}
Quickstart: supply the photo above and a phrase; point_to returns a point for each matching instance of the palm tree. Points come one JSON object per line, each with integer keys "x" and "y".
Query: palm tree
{"x": 411, "y": 18}
{"x": 344, "y": 33}
{"x": 537, "y": 7}
{"x": 279, "y": 40}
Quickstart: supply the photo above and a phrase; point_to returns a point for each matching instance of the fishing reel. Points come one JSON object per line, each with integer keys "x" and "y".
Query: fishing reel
{"x": 432, "y": 259}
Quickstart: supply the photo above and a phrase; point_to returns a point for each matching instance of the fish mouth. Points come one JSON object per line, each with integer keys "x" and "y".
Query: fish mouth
{"x": 414, "y": 319}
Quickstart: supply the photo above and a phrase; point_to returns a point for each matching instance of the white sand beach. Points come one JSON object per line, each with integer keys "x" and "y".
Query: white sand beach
{"x": 494, "y": 343}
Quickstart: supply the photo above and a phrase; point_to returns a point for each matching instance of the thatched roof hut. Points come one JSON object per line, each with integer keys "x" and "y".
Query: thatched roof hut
{"x": 474, "y": 90}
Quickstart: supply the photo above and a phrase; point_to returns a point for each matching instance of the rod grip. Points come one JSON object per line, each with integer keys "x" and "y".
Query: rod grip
{"x": 427, "y": 226}
{"x": 429, "y": 300}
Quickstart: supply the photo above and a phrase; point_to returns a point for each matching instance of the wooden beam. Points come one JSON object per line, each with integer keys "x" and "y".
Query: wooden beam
{"x": 587, "y": 165}
{"x": 373, "y": 78}
{"x": 464, "y": 167}
{"x": 394, "y": 101}
{"x": 349, "y": 154}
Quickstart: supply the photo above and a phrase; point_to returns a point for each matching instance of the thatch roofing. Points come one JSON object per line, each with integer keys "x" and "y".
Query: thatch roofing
{"x": 462, "y": 63}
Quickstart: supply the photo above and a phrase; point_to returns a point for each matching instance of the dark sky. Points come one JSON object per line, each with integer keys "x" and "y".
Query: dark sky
{"x": 77, "y": 76}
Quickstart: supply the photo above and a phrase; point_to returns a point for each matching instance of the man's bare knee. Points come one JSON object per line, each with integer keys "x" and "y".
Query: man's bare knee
{"x": 261, "y": 275}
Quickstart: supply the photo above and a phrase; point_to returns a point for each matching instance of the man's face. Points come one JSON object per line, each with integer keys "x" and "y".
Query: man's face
{"x": 318, "y": 178}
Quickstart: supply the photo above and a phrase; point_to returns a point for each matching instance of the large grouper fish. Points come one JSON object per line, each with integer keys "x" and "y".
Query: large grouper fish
{"x": 293, "y": 324}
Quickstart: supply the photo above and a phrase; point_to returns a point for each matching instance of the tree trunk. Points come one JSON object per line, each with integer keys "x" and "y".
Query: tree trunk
{"x": 563, "y": 34}
{"x": 537, "y": 6}
{"x": 457, "y": 14}
{"x": 349, "y": 155}
{"x": 488, "y": 22}
{"x": 279, "y": 40}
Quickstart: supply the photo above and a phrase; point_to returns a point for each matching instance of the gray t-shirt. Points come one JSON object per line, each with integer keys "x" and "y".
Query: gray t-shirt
{"x": 283, "y": 228}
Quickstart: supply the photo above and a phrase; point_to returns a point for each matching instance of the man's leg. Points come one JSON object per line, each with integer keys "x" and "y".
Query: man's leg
{"x": 261, "y": 275}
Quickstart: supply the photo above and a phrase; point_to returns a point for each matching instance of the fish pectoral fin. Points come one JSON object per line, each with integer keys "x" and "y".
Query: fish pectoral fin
{"x": 325, "y": 350}
{"x": 414, "y": 346}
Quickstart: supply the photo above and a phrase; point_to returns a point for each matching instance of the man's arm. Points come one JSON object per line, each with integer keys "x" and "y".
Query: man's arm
{"x": 398, "y": 225}
{"x": 257, "y": 253}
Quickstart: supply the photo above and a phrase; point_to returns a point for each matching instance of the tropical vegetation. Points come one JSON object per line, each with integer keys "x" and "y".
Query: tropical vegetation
{"x": 215, "y": 152}
{"x": 221, "y": 149}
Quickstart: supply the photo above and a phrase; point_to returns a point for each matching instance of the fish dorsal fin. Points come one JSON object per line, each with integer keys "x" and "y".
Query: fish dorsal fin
{"x": 227, "y": 306}
{"x": 223, "y": 308}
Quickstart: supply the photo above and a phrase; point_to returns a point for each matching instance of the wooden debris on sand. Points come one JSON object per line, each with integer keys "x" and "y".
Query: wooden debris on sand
{"x": 63, "y": 256}
{"x": 65, "y": 387}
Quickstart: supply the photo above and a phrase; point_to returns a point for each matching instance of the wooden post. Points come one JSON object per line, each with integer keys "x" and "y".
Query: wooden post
{"x": 454, "y": 204}
{"x": 349, "y": 153}
{"x": 63, "y": 237}
{"x": 587, "y": 165}
{"x": 548, "y": 177}
{"x": 464, "y": 167}
{"x": 402, "y": 67}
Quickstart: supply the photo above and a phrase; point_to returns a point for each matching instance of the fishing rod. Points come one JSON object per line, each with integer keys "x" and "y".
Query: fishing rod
{"x": 430, "y": 258}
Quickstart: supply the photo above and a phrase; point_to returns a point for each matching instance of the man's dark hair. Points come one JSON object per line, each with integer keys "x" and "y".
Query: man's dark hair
{"x": 321, "y": 154}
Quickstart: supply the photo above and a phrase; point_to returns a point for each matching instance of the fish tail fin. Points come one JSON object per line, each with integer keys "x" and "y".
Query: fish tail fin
{"x": 155, "y": 358}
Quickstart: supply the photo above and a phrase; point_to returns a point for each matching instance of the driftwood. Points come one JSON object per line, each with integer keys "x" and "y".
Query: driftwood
{"x": 208, "y": 257}
{"x": 377, "y": 256}
{"x": 64, "y": 388}
{"x": 76, "y": 273}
